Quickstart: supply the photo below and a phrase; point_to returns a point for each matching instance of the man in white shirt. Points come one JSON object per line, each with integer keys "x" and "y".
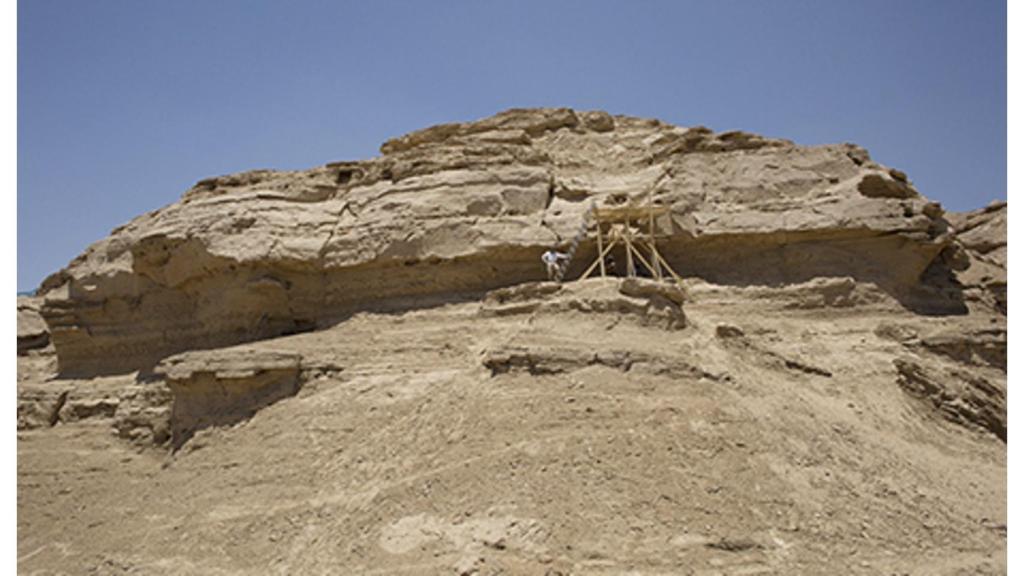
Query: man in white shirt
{"x": 552, "y": 260}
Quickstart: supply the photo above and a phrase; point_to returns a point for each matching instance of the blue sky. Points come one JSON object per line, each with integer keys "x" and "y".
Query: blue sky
{"x": 124, "y": 104}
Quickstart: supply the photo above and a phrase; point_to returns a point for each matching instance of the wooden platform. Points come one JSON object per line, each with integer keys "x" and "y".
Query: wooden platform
{"x": 628, "y": 212}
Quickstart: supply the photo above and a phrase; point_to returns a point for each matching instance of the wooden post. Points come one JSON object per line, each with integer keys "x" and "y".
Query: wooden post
{"x": 600, "y": 248}
{"x": 641, "y": 257}
{"x": 600, "y": 258}
{"x": 669, "y": 268}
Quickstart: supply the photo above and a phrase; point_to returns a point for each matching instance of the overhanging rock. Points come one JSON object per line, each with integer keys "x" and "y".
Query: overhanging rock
{"x": 455, "y": 210}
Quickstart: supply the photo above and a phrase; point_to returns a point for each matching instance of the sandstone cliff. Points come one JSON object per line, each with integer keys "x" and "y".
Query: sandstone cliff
{"x": 458, "y": 209}
{"x": 354, "y": 369}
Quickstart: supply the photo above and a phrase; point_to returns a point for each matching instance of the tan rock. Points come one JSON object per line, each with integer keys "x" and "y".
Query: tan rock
{"x": 984, "y": 231}
{"x": 826, "y": 386}
{"x": 643, "y": 301}
{"x": 32, "y": 331}
{"x": 39, "y": 406}
{"x": 956, "y": 395}
{"x": 219, "y": 388}
{"x": 568, "y": 433}
{"x": 460, "y": 209}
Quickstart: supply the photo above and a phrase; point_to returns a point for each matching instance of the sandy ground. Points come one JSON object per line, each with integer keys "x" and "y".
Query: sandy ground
{"x": 761, "y": 439}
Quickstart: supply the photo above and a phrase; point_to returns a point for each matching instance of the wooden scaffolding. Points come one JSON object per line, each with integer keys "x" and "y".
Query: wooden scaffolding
{"x": 632, "y": 227}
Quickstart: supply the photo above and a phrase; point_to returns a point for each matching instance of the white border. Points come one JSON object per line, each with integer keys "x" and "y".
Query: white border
{"x": 9, "y": 286}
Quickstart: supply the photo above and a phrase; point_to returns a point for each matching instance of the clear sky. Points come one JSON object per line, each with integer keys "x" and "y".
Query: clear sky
{"x": 122, "y": 104}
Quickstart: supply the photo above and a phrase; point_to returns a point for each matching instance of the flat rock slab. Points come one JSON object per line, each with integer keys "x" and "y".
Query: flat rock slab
{"x": 222, "y": 387}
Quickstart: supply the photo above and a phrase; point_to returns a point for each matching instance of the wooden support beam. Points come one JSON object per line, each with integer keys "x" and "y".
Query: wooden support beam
{"x": 642, "y": 259}
{"x": 600, "y": 249}
{"x": 661, "y": 260}
{"x": 600, "y": 259}
{"x": 630, "y": 267}
{"x": 675, "y": 276}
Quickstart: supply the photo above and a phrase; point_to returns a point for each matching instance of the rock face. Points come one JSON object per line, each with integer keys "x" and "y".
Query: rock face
{"x": 644, "y": 301}
{"x": 32, "y": 331}
{"x": 983, "y": 233}
{"x": 575, "y": 428}
{"x": 455, "y": 210}
{"x": 960, "y": 396}
{"x": 221, "y": 389}
{"x": 360, "y": 369}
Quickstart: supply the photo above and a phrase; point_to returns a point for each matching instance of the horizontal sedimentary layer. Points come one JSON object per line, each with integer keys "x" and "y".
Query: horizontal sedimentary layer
{"x": 456, "y": 210}
{"x": 250, "y": 302}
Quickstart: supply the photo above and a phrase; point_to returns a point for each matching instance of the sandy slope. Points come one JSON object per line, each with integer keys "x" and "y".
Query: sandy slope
{"x": 570, "y": 432}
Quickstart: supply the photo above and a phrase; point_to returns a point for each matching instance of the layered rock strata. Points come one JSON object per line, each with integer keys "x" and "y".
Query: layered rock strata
{"x": 455, "y": 210}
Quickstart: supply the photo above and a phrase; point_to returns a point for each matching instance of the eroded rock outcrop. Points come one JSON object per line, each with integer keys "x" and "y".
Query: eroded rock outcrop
{"x": 643, "y": 301}
{"x": 776, "y": 429}
{"x": 957, "y": 395}
{"x": 40, "y": 406}
{"x": 967, "y": 344}
{"x": 32, "y": 331}
{"x": 983, "y": 233}
{"x": 218, "y": 388}
{"x": 460, "y": 209}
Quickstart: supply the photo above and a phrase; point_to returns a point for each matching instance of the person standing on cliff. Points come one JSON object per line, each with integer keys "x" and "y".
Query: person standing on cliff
{"x": 552, "y": 260}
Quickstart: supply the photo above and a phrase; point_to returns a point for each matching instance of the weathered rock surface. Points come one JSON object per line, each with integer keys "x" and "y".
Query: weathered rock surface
{"x": 802, "y": 428}
{"x": 460, "y": 209}
{"x": 359, "y": 369}
{"x": 224, "y": 387}
{"x": 983, "y": 233}
{"x": 968, "y": 343}
{"x": 646, "y": 302}
{"x": 957, "y": 395}
{"x": 143, "y": 414}
{"x": 138, "y": 411}
{"x": 39, "y": 406}
{"x": 32, "y": 331}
